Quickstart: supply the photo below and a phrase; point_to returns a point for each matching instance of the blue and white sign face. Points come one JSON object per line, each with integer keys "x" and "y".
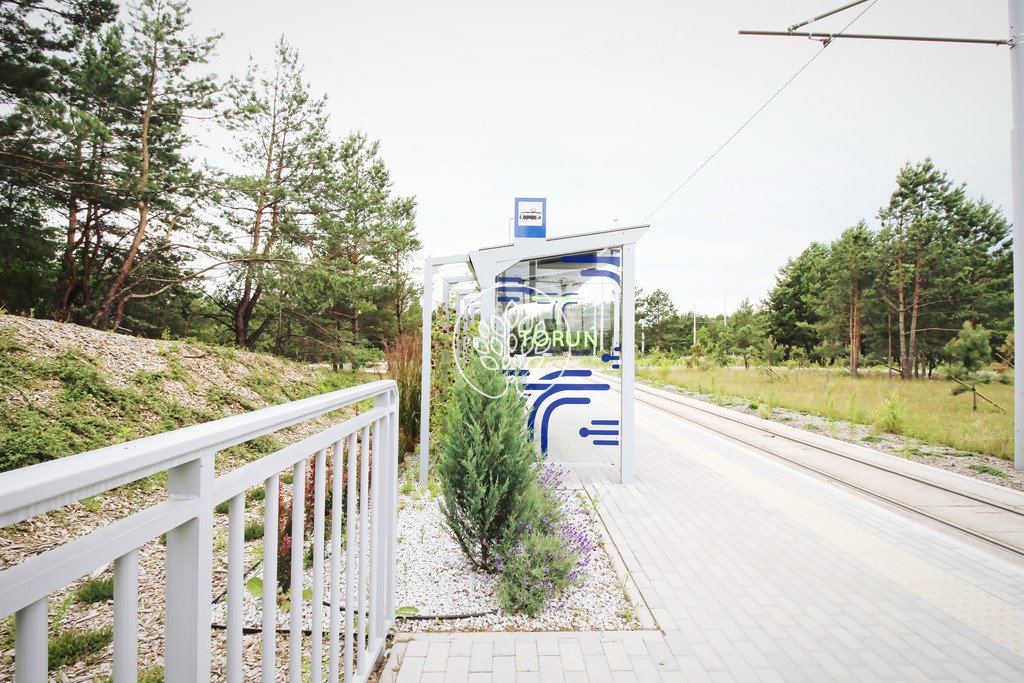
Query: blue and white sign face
{"x": 531, "y": 217}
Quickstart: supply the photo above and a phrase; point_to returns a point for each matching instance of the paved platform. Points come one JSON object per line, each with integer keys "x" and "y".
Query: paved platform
{"x": 758, "y": 572}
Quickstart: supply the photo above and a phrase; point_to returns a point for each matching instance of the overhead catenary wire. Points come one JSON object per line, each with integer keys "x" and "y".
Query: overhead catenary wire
{"x": 750, "y": 118}
{"x": 829, "y": 37}
{"x": 826, "y": 14}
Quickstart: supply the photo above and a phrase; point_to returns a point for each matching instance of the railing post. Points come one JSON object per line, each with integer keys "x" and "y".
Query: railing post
{"x": 428, "y": 327}
{"x": 189, "y": 574}
{"x": 126, "y": 617}
{"x": 30, "y": 655}
{"x": 384, "y": 468}
{"x": 392, "y": 505}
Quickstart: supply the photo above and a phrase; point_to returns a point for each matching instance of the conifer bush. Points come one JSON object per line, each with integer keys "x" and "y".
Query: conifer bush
{"x": 486, "y": 464}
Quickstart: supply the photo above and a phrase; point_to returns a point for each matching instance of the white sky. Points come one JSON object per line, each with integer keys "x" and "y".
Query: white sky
{"x": 605, "y": 107}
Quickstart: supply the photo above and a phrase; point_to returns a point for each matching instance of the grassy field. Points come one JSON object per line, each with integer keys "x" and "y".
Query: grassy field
{"x": 924, "y": 410}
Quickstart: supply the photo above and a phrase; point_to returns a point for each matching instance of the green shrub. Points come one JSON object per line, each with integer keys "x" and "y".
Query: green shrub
{"x": 223, "y": 507}
{"x": 486, "y": 463}
{"x": 71, "y": 646}
{"x": 96, "y": 590}
{"x": 969, "y": 351}
{"x": 890, "y": 415}
{"x": 535, "y": 572}
{"x": 253, "y": 531}
{"x": 988, "y": 469}
{"x": 153, "y": 674}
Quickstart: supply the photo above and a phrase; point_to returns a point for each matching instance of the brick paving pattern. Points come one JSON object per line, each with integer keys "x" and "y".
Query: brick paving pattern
{"x": 755, "y": 571}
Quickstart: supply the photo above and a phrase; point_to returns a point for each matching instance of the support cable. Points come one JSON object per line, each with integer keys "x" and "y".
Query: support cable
{"x": 826, "y": 14}
{"x": 753, "y": 116}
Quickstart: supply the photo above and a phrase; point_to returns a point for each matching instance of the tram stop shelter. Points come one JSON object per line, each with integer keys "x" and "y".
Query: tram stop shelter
{"x": 563, "y": 309}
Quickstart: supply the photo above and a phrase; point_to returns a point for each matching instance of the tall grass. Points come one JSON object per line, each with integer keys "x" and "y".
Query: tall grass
{"x": 404, "y": 358}
{"x": 924, "y": 410}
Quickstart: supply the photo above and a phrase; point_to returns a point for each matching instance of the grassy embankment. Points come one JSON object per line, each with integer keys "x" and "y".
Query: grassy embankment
{"x": 60, "y": 399}
{"x": 923, "y": 410}
{"x": 66, "y": 389}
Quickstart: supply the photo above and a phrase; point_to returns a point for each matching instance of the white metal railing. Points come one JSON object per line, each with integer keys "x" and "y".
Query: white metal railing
{"x": 364, "y": 451}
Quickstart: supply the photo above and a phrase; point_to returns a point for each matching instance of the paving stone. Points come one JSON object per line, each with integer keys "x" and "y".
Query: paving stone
{"x": 615, "y": 653}
{"x": 412, "y": 669}
{"x": 437, "y": 656}
{"x": 597, "y": 668}
{"x": 571, "y": 654}
{"x": 550, "y": 669}
{"x": 526, "y": 656}
{"x": 456, "y": 670}
{"x": 480, "y": 656}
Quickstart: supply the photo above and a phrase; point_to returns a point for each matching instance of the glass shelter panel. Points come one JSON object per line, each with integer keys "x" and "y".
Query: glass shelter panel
{"x": 563, "y": 316}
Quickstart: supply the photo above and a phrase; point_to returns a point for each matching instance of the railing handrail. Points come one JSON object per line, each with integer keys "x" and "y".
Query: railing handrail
{"x": 39, "y": 488}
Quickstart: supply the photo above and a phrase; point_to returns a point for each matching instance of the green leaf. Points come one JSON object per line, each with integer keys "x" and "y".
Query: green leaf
{"x": 255, "y": 586}
{"x": 307, "y": 594}
{"x": 406, "y": 611}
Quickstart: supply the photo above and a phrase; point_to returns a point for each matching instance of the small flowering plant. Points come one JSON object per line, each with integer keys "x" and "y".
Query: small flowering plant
{"x": 535, "y": 573}
{"x": 551, "y": 555}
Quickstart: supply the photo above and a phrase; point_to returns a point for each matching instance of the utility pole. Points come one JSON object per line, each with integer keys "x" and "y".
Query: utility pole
{"x": 1016, "y": 8}
{"x": 694, "y": 324}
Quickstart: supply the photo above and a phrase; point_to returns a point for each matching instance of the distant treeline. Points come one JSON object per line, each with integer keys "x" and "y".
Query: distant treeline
{"x": 110, "y": 215}
{"x": 933, "y": 282}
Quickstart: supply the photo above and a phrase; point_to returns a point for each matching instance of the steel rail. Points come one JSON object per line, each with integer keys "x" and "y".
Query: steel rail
{"x": 831, "y": 475}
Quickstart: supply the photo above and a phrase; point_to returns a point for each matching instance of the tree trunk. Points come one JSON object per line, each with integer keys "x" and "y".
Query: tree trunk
{"x": 102, "y": 317}
{"x": 398, "y": 311}
{"x": 64, "y": 307}
{"x": 855, "y": 337}
{"x": 905, "y": 368}
{"x": 888, "y": 327}
{"x": 119, "y": 313}
{"x": 914, "y": 310}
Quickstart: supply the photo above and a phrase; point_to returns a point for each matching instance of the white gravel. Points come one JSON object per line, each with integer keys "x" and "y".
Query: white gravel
{"x": 434, "y": 577}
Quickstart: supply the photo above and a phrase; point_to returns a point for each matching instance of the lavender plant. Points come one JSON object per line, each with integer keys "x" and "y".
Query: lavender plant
{"x": 553, "y": 553}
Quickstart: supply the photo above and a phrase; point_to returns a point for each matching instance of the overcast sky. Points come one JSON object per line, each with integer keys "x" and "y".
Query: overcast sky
{"x": 605, "y": 107}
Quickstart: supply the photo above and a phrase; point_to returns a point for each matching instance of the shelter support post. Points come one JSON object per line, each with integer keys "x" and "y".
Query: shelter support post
{"x": 428, "y": 293}
{"x": 1016, "y": 8}
{"x": 627, "y": 365}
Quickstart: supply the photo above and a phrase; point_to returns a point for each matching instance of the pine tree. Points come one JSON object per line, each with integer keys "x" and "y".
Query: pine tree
{"x": 165, "y": 184}
{"x": 283, "y": 145}
{"x": 486, "y": 466}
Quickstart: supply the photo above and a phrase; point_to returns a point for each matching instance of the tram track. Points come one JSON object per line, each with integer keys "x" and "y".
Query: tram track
{"x": 995, "y": 516}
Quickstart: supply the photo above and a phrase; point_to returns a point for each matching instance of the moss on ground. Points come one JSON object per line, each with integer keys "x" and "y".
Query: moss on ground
{"x": 54, "y": 407}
